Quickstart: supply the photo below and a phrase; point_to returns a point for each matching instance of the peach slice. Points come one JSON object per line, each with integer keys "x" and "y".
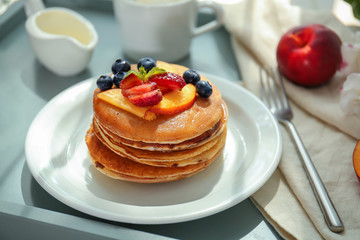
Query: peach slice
{"x": 176, "y": 101}
{"x": 356, "y": 159}
{"x": 166, "y": 66}
{"x": 115, "y": 97}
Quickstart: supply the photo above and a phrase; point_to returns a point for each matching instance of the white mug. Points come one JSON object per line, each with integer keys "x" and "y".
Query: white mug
{"x": 161, "y": 29}
{"x": 62, "y": 40}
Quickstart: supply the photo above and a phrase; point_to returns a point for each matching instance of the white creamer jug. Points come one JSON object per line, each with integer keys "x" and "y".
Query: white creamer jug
{"x": 62, "y": 40}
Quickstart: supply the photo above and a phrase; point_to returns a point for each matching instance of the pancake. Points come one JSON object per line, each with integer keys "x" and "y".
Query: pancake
{"x": 171, "y": 147}
{"x": 156, "y": 146}
{"x": 120, "y": 145}
{"x": 175, "y": 158}
{"x": 115, "y": 166}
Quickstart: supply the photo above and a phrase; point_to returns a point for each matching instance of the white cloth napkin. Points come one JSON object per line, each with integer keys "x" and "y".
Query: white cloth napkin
{"x": 329, "y": 135}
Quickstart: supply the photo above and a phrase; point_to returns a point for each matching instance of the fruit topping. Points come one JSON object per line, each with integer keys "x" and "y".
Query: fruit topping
{"x": 167, "y": 67}
{"x": 120, "y": 65}
{"x": 191, "y": 76}
{"x": 104, "y": 82}
{"x": 168, "y": 80}
{"x": 138, "y": 90}
{"x": 146, "y": 99}
{"x": 156, "y": 88}
{"x": 203, "y": 88}
{"x": 176, "y": 101}
{"x": 147, "y": 62}
{"x": 137, "y": 87}
{"x": 153, "y": 71}
{"x": 130, "y": 80}
{"x": 118, "y": 77}
{"x": 115, "y": 98}
{"x": 144, "y": 88}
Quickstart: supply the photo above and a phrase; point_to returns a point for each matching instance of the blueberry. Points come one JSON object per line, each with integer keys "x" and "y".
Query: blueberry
{"x": 118, "y": 77}
{"x": 104, "y": 82}
{"x": 204, "y": 89}
{"x": 191, "y": 76}
{"x": 120, "y": 65}
{"x": 147, "y": 62}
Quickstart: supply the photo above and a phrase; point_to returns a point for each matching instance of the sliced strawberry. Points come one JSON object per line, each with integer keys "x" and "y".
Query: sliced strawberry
{"x": 168, "y": 80}
{"x": 130, "y": 81}
{"x": 146, "y": 99}
{"x": 144, "y": 88}
{"x": 164, "y": 90}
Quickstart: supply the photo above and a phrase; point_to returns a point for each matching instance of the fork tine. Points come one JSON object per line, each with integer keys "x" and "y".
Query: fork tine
{"x": 264, "y": 94}
{"x": 284, "y": 101}
{"x": 269, "y": 92}
{"x": 279, "y": 94}
{"x": 273, "y": 89}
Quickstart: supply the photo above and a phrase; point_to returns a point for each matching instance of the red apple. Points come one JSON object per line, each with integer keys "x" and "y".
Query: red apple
{"x": 356, "y": 159}
{"x": 309, "y": 55}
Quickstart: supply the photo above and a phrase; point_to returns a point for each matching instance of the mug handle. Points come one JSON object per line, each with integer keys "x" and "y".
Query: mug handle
{"x": 214, "y": 24}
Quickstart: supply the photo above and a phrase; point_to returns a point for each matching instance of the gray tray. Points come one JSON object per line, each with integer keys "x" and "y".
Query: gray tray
{"x": 29, "y": 212}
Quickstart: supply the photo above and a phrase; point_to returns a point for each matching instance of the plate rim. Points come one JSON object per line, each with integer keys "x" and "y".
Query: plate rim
{"x": 169, "y": 219}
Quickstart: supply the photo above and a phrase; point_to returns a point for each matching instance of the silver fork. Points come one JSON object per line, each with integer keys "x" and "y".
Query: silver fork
{"x": 274, "y": 96}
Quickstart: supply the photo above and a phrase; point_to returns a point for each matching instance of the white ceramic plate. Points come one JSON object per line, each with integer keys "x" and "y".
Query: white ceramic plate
{"x": 57, "y": 157}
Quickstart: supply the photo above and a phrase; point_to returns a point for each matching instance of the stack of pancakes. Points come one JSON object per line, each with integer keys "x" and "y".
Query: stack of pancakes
{"x": 126, "y": 147}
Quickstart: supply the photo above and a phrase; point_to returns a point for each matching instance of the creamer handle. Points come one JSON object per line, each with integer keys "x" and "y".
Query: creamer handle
{"x": 33, "y": 6}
